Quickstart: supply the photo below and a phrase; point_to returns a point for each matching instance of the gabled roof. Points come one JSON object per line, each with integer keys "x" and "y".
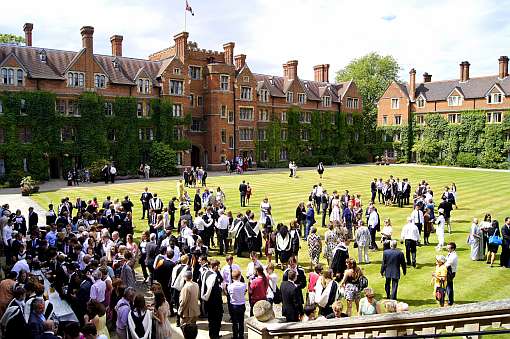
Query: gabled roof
{"x": 473, "y": 88}
{"x": 278, "y": 86}
{"x": 458, "y": 90}
{"x": 12, "y": 55}
{"x": 58, "y": 62}
{"x": 498, "y": 87}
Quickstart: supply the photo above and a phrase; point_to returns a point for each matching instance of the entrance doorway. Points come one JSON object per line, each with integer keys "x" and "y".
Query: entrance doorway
{"x": 195, "y": 156}
{"x": 54, "y": 168}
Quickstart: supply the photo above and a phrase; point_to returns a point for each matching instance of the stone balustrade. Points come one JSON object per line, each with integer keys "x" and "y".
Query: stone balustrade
{"x": 473, "y": 317}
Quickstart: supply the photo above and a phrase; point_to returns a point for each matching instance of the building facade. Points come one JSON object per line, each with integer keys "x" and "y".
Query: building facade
{"x": 228, "y": 105}
{"x": 408, "y": 111}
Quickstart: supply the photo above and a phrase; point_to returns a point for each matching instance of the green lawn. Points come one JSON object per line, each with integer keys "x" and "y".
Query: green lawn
{"x": 478, "y": 192}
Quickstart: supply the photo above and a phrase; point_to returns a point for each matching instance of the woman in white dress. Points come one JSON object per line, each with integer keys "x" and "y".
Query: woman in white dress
{"x": 265, "y": 206}
{"x": 475, "y": 240}
{"x": 335, "y": 211}
{"x": 440, "y": 221}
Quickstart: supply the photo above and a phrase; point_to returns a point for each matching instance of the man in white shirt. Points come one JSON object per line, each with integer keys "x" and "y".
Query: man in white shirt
{"x": 417, "y": 217}
{"x": 451, "y": 264}
{"x": 373, "y": 225}
{"x": 98, "y": 289}
{"x": 200, "y": 224}
{"x": 222, "y": 226}
{"x": 400, "y": 200}
{"x": 236, "y": 292}
{"x": 156, "y": 204}
{"x": 411, "y": 236}
{"x": 21, "y": 265}
{"x": 251, "y": 272}
{"x": 226, "y": 271}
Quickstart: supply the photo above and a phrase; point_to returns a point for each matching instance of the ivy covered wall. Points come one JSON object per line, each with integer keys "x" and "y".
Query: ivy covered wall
{"x": 470, "y": 143}
{"x": 330, "y": 137}
{"x": 32, "y": 134}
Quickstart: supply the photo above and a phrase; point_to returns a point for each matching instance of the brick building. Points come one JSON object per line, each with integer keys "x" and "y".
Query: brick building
{"x": 228, "y": 103}
{"x": 408, "y": 104}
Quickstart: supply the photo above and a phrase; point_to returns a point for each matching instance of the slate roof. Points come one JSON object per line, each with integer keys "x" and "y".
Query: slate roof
{"x": 473, "y": 88}
{"x": 58, "y": 61}
{"x": 314, "y": 90}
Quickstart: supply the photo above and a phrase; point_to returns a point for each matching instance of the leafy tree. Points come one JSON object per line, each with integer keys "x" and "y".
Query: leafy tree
{"x": 372, "y": 73}
{"x": 163, "y": 159}
{"x": 11, "y": 39}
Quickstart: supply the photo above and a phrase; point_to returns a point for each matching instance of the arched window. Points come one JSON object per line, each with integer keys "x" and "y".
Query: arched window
{"x": 10, "y": 77}
{"x": 4, "y": 76}
{"x": 19, "y": 77}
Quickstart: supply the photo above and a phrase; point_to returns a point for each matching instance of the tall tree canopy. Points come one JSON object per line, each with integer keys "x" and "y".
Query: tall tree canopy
{"x": 372, "y": 73}
{"x": 11, "y": 38}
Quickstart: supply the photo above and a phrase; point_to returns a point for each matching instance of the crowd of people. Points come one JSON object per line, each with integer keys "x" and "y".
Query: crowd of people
{"x": 74, "y": 276}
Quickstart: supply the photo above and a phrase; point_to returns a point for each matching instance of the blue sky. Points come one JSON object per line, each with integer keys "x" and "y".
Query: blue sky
{"x": 431, "y": 36}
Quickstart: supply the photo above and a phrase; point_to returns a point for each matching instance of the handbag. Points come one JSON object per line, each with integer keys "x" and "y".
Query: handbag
{"x": 495, "y": 239}
{"x": 277, "y": 295}
{"x": 362, "y": 283}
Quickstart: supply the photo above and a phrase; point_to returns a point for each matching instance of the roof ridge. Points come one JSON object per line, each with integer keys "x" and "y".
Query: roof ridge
{"x": 458, "y": 80}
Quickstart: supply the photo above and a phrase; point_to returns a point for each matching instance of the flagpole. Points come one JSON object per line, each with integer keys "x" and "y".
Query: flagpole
{"x": 185, "y": 14}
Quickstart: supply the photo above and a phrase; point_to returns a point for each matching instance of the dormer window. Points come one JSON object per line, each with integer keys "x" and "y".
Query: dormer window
{"x": 301, "y": 98}
{"x": 75, "y": 79}
{"x": 454, "y": 100}
{"x": 42, "y": 56}
{"x": 264, "y": 95}
{"x": 115, "y": 64}
{"x": 495, "y": 98}
{"x": 246, "y": 79}
{"x": 99, "y": 81}
{"x": 177, "y": 71}
{"x": 290, "y": 97}
{"x": 144, "y": 86}
{"x": 326, "y": 101}
{"x": 12, "y": 76}
{"x": 420, "y": 102}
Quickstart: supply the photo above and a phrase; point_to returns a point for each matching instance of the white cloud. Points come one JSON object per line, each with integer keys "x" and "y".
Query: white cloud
{"x": 434, "y": 36}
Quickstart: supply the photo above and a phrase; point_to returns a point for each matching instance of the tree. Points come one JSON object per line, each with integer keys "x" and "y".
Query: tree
{"x": 372, "y": 73}
{"x": 11, "y": 39}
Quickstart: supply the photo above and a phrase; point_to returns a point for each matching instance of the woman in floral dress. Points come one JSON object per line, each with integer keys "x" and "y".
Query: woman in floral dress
{"x": 331, "y": 238}
{"x": 314, "y": 246}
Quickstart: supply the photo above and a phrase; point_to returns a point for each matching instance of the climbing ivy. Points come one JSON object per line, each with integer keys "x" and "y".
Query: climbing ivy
{"x": 33, "y": 114}
{"x": 472, "y": 142}
{"x": 331, "y": 138}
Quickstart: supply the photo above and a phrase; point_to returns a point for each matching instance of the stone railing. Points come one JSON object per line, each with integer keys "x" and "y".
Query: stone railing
{"x": 475, "y": 317}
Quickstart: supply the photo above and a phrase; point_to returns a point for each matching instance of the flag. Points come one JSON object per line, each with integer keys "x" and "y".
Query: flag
{"x": 188, "y": 8}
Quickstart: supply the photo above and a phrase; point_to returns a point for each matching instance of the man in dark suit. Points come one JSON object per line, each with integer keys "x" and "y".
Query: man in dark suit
{"x": 145, "y": 198}
{"x": 344, "y": 199}
{"x": 505, "y": 246}
{"x": 127, "y": 205}
{"x": 33, "y": 219}
{"x": 49, "y": 330}
{"x": 300, "y": 280}
{"x": 373, "y": 189}
{"x": 243, "y": 188}
{"x": 81, "y": 205}
{"x": 36, "y": 319}
{"x": 197, "y": 202}
{"x": 392, "y": 260}
{"x": 152, "y": 251}
{"x": 163, "y": 268}
{"x": 292, "y": 308}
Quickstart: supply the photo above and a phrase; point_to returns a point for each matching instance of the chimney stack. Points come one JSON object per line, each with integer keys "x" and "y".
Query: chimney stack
{"x": 27, "y": 28}
{"x": 321, "y": 73}
{"x": 87, "y": 38}
{"x": 285, "y": 71}
{"x": 427, "y": 77}
{"x": 292, "y": 69}
{"x": 181, "y": 44}
{"x": 240, "y": 61}
{"x": 464, "y": 71}
{"x": 116, "y": 41}
{"x": 412, "y": 84}
{"x": 228, "y": 49}
{"x": 503, "y": 66}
